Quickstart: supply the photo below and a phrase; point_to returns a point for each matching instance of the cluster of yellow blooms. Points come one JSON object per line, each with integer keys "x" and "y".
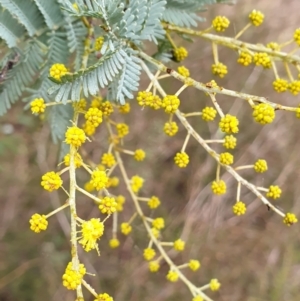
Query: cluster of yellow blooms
{"x": 180, "y": 54}
{"x": 71, "y": 278}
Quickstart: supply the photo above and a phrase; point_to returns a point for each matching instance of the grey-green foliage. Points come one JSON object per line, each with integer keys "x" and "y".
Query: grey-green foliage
{"x": 42, "y": 32}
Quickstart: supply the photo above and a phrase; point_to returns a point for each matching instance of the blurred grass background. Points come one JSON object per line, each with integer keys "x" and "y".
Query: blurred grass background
{"x": 255, "y": 257}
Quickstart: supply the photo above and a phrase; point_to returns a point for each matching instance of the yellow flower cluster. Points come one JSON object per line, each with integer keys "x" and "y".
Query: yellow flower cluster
{"x": 229, "y": 142}
{"x": 77, "y": 160}
{"x": 179, "y": 245}
{"x": 99, "y": 179}
{"x": 153, "y": 202}
{"x": 219, "y": 69}
{"x": 108, "y": 205}
{"x": 183, "y": 71}
{"x": 93, "y": 116}
{"x": 245, "y": 58}
{"x": 180, "y": 54}
{"x": 136, "y": 183}
{"x": 171, "y": 128}
{"x": 209, "y": 114}
{"x": 114, "y": 243}
{"x": 280, "y": 85}
{"x": 170, "y": 103}
{"x": 158, "y": 223}
{"x": 88, "y": 128}
{"x": 182, "y": 159}
{"x": 297, "y": 36}
{"x": 80, "y": 105}
{"x": 98, "y": 43}
{"x": 220, "y": 23}
{"x": 226, "y": 158}
{"x": 124, "y": 109}
{"x": 96, "y": 102}
{"x": 75, "y": 136}
{"x": 106, "y": 108}
{"x": 274, "y": 192}
{"x": 214, "y": 284}
{"x": 57, "y": 71}
{"x": 229, "y": 124}
{"x": 194, "y": 265}
{"x": 256, "y": 17}
{"x": 139, "y": 155}
{"x": 122, "y": 129}
{"x": 108, "y": 159}
{"x": 71, "y": 278}
{"x": 294, "y": 87}
{"x": 104, "y": 297}
{"x": 239, "y": 208}
{"x": 38, "y": 223}
{"x": 120, "y": 202}
{"x": 91, "y": 231}
{"x": 263, "y": 113}
{"x": 38, "y": 106}
{"x": 197, "y": 298}
{"x": 126, "y": 228}
{"x": 218, "y": 187}
{"x": 51, "y": 181}
{"x": 290, "y": 219}
{"x": 149, "y": 254}
{"x": 260, "y": 166}
{"x": 262, "y": 59}
{"x": 154, "y": 266}
{"x": 172, "y": 276}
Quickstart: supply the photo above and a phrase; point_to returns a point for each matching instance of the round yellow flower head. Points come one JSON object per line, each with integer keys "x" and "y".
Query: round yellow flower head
{"x": 220, "y": 23}
{"x": 153, "y": 202}
{"x": 122, "y": 130}
{"x": 280, "y": 85}
{"x": 57, "y": 71}
{"x": 219, "y": 69}
{"x": 274, "y": 192}
{"x": 104, "y": 297}
{"x": 108, "y": 159}
{"x": 71, "y": 278}
{"x": 229, "y": 124}
{"x": 154, "y": 266}
{"x": 260, "y": 166}
{"x": 126, "y": 228}
{"x": 218, "y": 187}
{"x": 274, "y": 46}
{"x": 136, "y": 183}
{"x": 226, "y": 158}
{"x": 229, "y": 142}
{"x": 108, "y": 205}
{"x": 239, "y": 208}
{"x": 290, "y": 219}
{"x": 209, "y": 114}
{"x": 194, "y": 265}
{"x": 114, "y": 243}
{"x": 263, "y": 113}
{"x": 214, "y": 284}
{"x": 183, "y": 71}
{"x": 262, "y": 59}
{"x": 171, "y": 128}
{"x": 256, "y": 17}
{"x": 139, "y": 155}
{"x": 51, "y": 181}
{"x": 93, "y": 116}
{"x": 149, "y": 254}
{"x": 180, "y": 54}
{"x": 80, "y": 105}
{"x": 106, "y": 108}
{"x": 181, "y": 159}
{"x": 179, "y": 245}
{"x": 38, "y": 106}
{"x": 172, "y": 276}
{"x": 245, "y": 58}
{"x": 38, "y": 223}
{"x": 91, "y": 231}
{"x": 99, "y": 179}
{"x": 158, "y": 223}
{"x": 75, "y": 136}
{"x": 89, "y": 128}
{"x": 98, "y": 43}
{"x": 124, "y": 109}
{"x": 294, "y": 87}
{"x": 170, "y": 103}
